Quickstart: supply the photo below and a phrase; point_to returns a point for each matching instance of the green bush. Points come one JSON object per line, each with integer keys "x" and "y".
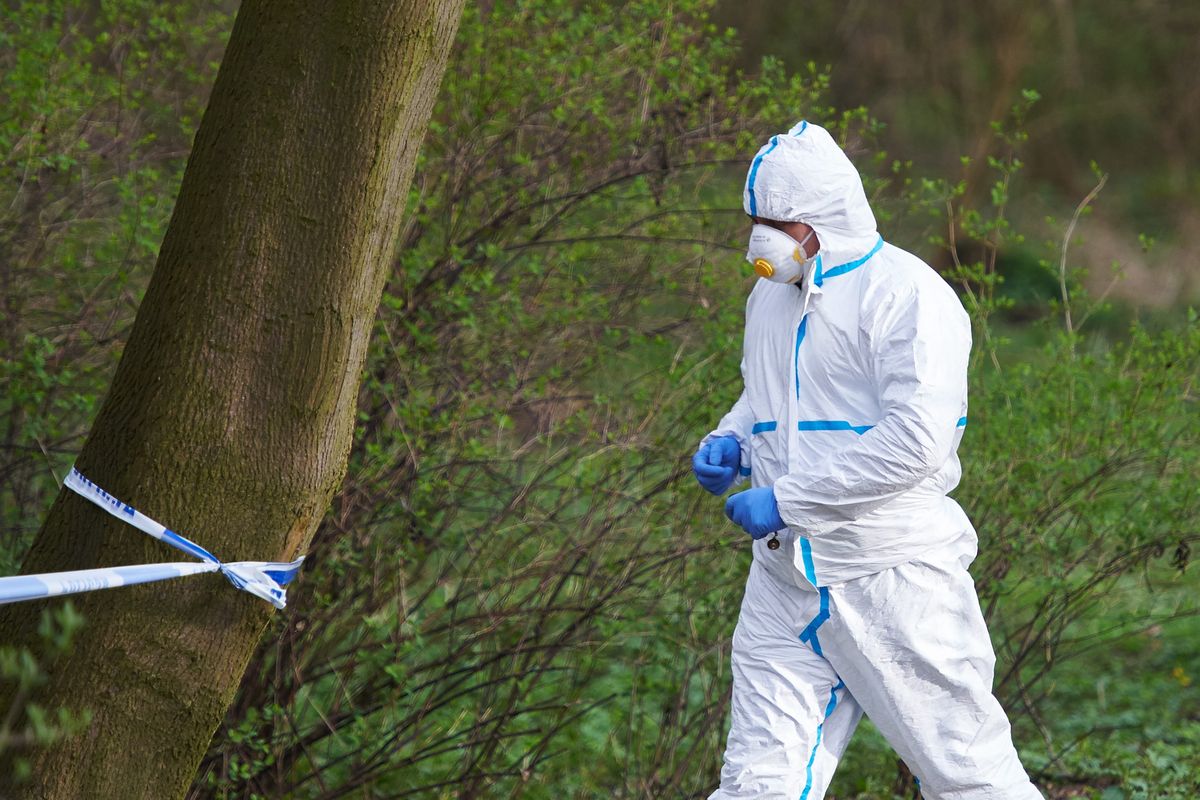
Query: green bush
{"x": 26, "y": 724}
{"x": 97, "y": 107}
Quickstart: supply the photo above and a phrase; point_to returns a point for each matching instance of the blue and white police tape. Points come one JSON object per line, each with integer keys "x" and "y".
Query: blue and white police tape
{"x": 264, "y": 579}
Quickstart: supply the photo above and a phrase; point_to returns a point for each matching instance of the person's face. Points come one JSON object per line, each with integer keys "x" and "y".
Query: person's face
{"x": 797, "y": 230}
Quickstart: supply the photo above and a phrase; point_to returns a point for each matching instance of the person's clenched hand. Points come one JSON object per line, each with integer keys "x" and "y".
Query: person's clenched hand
{"x": 756, "y": 511}
{"x": 716, "y": 463}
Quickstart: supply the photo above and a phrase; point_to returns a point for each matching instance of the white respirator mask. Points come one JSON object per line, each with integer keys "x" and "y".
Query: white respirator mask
{"x": 777, "y": 256}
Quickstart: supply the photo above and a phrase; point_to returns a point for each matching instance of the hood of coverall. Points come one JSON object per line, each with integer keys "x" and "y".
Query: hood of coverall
{"x": 803, "y": 176}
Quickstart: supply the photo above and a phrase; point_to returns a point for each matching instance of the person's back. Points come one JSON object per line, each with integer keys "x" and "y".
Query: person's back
{"x": 855, "y": 401}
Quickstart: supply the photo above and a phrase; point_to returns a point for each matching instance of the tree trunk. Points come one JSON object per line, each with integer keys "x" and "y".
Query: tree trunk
{"x": 231, "y": 413}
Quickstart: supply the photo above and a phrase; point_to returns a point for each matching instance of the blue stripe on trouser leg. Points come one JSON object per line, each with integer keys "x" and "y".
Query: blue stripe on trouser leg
{"x": 809, "y": 634}
{"x": 829, "y": 708}
{"x": 781, "y": 690}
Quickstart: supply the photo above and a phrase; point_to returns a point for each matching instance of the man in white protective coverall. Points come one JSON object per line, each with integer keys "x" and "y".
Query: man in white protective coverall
{"x": 858, "y": 598}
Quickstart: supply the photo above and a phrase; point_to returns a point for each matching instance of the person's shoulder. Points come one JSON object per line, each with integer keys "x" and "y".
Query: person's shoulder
{"x": 901, "y": 280}
{"x": 903, "y": 270}
{"x": 900, "y": 274}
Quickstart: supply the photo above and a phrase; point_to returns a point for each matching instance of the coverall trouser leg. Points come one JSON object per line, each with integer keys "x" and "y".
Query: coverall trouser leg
{"x": 792, "y": 716}
{"x": 908, "y": 646}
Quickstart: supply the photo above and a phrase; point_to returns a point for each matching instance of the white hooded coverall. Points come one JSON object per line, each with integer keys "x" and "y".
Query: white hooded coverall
{"x": 854, "y": 402}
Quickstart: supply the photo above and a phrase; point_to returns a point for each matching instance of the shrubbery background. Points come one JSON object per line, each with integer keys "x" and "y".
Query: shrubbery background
{"x": 519, "y": 591}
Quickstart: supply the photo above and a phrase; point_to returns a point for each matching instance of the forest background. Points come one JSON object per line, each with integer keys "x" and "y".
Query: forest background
{"x": 519, "y": 591}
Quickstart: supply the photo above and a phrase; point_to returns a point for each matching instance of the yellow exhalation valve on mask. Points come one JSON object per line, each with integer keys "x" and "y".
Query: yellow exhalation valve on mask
{"x": 763, "y": 268}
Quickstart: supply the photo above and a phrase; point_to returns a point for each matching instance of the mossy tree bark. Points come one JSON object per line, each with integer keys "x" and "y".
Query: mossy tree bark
{"x": 231, "y": 412}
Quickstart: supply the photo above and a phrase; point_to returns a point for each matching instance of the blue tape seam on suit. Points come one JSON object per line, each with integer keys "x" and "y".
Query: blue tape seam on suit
{"x": 829, "y": 707}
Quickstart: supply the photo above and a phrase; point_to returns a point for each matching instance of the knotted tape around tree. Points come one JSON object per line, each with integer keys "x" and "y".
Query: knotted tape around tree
{"x": 264, "y": 579}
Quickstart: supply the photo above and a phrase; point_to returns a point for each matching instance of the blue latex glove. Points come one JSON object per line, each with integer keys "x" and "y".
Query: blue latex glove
{"x": 756, "y": 511}
{"x": 716, "y": 463}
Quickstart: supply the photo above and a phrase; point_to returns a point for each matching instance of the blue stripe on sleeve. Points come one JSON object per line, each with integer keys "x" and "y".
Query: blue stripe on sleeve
{"x": 831, "y": 425}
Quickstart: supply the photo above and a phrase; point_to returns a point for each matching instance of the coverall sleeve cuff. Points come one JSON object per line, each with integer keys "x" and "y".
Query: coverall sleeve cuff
{"x": 802, "y": 516}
